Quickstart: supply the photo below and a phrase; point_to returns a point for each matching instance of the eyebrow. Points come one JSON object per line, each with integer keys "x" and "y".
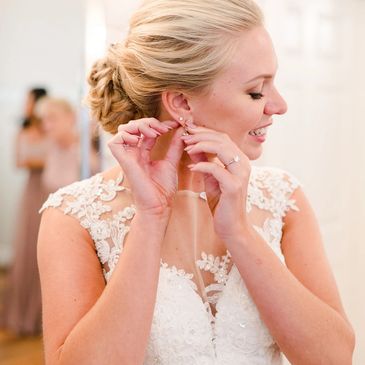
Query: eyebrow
{"x": 263, "y": 76}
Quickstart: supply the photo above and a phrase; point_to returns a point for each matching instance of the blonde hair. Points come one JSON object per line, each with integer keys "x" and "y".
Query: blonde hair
{"x": 49, "y": 102}
{"x": 180, "y": 45}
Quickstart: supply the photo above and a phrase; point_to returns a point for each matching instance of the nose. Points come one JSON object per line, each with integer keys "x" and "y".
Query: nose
{"x": 276, "y": 104}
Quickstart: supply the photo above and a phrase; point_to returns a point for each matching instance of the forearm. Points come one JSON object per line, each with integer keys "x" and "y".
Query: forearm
{"x": 116, "y": 329}
{"x": 306, "y": 329}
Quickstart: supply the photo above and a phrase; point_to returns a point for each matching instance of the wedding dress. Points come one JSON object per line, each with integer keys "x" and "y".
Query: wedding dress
{"x": 222, "y": 327}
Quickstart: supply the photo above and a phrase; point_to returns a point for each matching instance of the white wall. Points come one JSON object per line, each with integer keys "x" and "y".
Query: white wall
{"x": 321, "y": 54}
{"x": 41, "y": 43}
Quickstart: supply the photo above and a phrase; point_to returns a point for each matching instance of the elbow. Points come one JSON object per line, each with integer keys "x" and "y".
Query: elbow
{"x": 345, "y": 346}
{"x": 54, "y": 358}
{"x": 351, "y": 342}
{"x": 336, "y": 350}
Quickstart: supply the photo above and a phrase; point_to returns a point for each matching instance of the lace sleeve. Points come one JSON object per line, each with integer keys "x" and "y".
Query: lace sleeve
{"x": 287, "y": 184}
{"x": 272, "y": 188}
{"x": 91, "y": 202}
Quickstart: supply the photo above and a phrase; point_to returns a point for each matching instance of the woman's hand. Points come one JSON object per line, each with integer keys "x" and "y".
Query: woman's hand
{"x": 153, "y": 183}
{"x": 226, "y": 187}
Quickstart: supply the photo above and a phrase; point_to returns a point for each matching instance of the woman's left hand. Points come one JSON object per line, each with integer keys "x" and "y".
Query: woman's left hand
{"x": 226, "y": 187}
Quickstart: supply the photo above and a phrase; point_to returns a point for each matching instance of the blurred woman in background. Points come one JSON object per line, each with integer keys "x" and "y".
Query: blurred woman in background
{"x": 62, "y": 165}
{"x": 63, "y": 159}
{"x": 21, "y": 307}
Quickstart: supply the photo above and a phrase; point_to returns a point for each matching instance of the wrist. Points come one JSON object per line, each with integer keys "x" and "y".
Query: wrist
{"x": 159, "y": 218}
{"x": 240, "y": 232}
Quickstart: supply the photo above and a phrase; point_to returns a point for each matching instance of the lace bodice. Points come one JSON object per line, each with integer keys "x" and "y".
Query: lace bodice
{"x": 184, "y": 330}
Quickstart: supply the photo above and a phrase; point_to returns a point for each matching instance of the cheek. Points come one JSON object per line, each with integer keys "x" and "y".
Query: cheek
{"x": 228, "y": 113}
{"x": 254, "y": 115}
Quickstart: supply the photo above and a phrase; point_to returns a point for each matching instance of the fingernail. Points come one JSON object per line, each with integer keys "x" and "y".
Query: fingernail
{"x": 187, "y": 149}
{"x": 190, "y": 124}
{"x": 191, "y": 166}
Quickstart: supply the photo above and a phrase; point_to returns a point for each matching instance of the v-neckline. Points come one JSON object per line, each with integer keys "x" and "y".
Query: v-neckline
{"x": 189, "y": 278}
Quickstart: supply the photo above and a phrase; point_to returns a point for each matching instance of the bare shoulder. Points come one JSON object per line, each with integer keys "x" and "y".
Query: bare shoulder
{"x": 303, "y": 248}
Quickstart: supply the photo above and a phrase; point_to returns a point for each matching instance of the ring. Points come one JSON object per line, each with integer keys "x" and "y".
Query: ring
{"x": 235, "y": 159}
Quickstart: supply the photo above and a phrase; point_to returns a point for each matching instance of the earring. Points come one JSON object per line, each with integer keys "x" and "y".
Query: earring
{"x": 186, "y": 133}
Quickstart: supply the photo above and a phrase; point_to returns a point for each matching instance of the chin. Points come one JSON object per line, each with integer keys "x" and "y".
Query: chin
{"x": 253, "y": 154}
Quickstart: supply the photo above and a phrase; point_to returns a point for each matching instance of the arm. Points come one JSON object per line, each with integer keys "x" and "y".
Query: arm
{"x": 301, "y": 306}
{"x": 304, "y": 316}
{"x": 84, "y": 321}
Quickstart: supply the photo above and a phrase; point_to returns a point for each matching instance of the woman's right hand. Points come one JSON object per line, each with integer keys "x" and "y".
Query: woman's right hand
{"x": 153, "y": 183}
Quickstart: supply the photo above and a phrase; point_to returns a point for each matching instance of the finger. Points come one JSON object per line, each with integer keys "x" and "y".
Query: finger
{"x": 147, "y": 143}
{"x": 198, "y": 157}
{"x": 161, "y": 127}
{"x": 139, "y": 127}
{"x": 122, "y": 144}
{"x": 134, "y": 126}
{"x": 173, "y": 124}
{"x": 148, "y": 131}
{"x": 193, "y": 129}
{"x": 223, "y": 153}
{"x": 128, "y": 139}
{"x": 176, "y": 148}
{"x": 204, "y": 136}
{"x": 146, "y": 147}
{"x": 228, "y": 183}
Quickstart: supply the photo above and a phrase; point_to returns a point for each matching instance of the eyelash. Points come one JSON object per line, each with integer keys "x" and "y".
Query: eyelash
{"x": 256, "y": 96}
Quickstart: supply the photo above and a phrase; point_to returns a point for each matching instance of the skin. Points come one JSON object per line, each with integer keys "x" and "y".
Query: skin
{"x": 58, "y": 124}
{"x": 305, "y": 316}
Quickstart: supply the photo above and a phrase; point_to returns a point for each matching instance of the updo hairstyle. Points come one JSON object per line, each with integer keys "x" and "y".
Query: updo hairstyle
{"x": 179, "y": 45}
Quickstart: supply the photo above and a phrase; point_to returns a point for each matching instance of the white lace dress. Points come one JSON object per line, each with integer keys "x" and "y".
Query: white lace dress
{"x": 184, "y": 329}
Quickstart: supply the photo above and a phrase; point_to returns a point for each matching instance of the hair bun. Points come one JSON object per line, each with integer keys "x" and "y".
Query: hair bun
{"x": 107, "y": 98}
{"x": 170, "y": 46}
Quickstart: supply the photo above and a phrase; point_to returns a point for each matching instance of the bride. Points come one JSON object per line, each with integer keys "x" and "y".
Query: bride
{"x": 184, "y": 253}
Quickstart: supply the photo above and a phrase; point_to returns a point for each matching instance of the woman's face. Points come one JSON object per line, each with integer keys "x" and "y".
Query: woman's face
{"x": 243, "y": 98}
{"x": 57, "y": 122}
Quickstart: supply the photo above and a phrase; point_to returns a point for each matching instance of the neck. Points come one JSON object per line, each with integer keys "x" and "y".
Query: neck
{"x": 66, "y": 140}
{"x": 187, "y": 179}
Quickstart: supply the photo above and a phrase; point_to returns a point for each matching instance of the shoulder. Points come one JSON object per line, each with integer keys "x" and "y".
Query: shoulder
{"x": 78, "y": 196}
{"x": 274, "y": 178}
{"x": 273, "y": 188}
{"x": 98, "y": 199}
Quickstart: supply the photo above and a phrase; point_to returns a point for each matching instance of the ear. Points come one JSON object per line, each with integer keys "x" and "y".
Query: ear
{"x": 176, "y": 105}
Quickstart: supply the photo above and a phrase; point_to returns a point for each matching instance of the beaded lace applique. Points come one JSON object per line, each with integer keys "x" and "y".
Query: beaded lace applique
{"x": 219, "y": 267}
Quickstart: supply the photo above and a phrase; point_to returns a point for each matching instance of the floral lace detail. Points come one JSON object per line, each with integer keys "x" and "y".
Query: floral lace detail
{"x": 269, "y": 189}
{"x": 179, "y": 272}
{"x": 219, "y": 267}
{"x": 216, "y": 265}
{"x": 184, "y": 331}
{"x": 85, "y": 200}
